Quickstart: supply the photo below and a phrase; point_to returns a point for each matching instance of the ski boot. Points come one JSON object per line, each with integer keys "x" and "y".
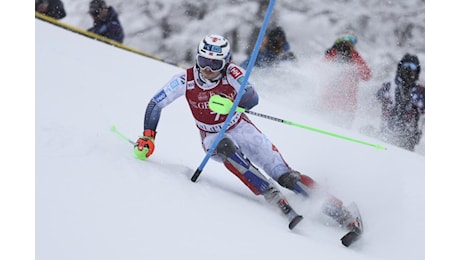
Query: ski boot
{"x": 274, "y": 196}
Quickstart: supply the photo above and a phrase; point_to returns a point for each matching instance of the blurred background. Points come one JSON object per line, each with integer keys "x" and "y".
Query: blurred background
{"x": 171, "y": 29}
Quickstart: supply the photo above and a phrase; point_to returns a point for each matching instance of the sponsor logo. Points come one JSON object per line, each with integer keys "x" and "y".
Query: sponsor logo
{"x": 203, "y": 96}
{"x": 203, "y": 105}
{"x": 173, "y": 84}
{"x": 160, "y": 96}
{"x": 193, "y": 104}
{"x": 198, "y": 105}
{"x": 182, "y": 79}
{"x": 236, "y": 72}
{"x": 191, "y": 84}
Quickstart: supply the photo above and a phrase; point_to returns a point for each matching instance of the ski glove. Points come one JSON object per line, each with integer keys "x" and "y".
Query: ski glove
{"x": 145, "y": 146}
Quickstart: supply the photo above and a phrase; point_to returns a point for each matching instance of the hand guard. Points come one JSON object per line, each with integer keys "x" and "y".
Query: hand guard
{"x": 145, "y": 146}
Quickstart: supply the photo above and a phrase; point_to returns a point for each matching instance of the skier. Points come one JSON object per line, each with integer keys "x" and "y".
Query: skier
{"x": 243, "y": 146}
{"x": 403, "y": 104}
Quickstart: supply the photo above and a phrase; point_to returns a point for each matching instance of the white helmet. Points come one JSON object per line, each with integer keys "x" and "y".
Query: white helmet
{"x": 213, "y": 52}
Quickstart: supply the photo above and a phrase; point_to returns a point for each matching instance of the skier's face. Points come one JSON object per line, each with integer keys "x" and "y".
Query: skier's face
{"x": 208, "y": 73}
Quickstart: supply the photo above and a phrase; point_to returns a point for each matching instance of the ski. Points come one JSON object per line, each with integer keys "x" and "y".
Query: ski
{"x": 351, "y": 236}
{"x": 355, "y": 227}
{"x": 289, "y": 212}
{"x": 295, "y": 221}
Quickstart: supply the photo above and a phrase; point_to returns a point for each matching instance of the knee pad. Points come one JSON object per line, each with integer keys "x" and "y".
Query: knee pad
{"x": 289, "y": 179}
{"x": 225, "y": 148}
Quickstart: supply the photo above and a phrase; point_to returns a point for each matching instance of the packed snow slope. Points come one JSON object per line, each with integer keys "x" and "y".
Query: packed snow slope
{"x": 94, "y": 200}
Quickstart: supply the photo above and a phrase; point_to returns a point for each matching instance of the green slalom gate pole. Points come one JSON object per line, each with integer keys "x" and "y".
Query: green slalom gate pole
{"x": 222, "y": 106}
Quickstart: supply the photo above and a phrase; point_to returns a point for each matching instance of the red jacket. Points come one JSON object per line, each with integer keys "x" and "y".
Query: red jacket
{"x": 341, "y": 91}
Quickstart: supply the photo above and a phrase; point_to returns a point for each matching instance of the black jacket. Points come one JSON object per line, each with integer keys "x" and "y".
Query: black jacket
{"x": 109, "y": 27}
{"x": 52, "y": 8}
{"x": 403, "y": 103}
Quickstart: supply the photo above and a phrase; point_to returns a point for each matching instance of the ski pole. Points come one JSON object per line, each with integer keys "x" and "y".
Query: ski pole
{"x": 115, "y": 130}
{"x": 140, "y": 154}
{"x": 222, "y": 105}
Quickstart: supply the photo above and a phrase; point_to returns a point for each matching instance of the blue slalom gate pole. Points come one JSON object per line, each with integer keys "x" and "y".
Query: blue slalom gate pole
{"x": 252, "y": 60}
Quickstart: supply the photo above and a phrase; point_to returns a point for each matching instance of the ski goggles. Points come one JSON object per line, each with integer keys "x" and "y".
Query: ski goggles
{"x": 348, "y": 38}
{"x": 213, "y": 65}
{"x": 412, "y": 66}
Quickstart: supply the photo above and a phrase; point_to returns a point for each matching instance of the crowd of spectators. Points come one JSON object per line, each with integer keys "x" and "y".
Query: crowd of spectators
{"x": 402, "y": 100}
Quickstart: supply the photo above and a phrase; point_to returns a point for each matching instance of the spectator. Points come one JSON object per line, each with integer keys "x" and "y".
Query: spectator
{"x": 403, "y": 103}
{"x": 106, "y": 21}
{"x": 339, "y": 95}
{"x": 274, "y": 50}
{"x": 52, "y": 8}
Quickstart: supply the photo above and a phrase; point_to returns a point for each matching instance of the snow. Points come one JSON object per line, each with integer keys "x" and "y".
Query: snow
{"x": 94, "y": 200}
